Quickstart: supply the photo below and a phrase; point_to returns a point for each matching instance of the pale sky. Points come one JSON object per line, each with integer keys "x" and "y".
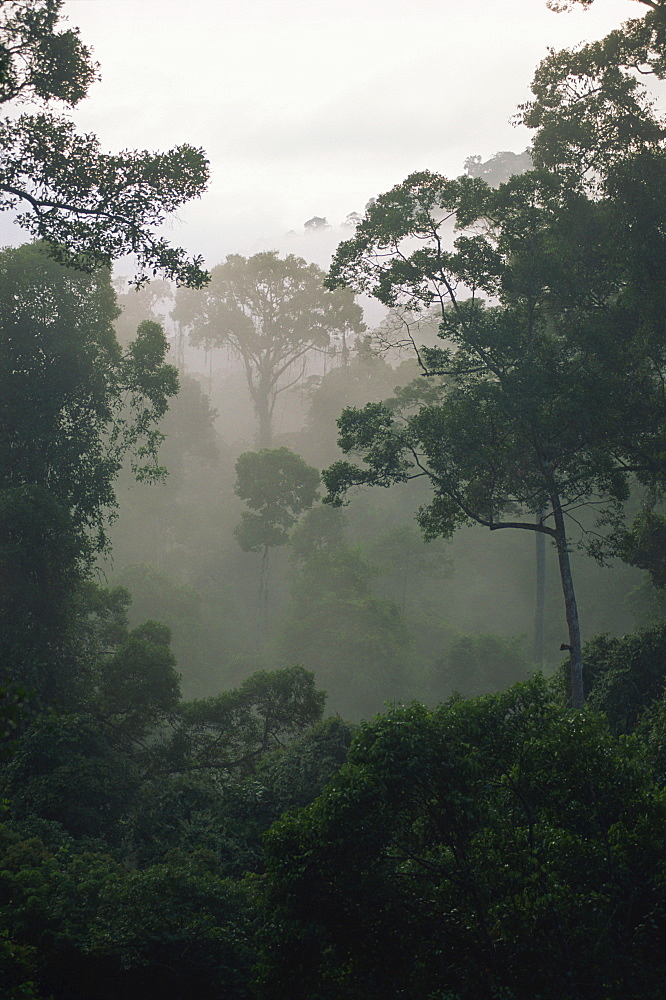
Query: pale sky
{"x": 311, "y": 107}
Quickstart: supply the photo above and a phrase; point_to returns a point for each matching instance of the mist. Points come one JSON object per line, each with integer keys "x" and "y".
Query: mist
{"x": 332, "y": 499}
{"x": 378, "y": 614}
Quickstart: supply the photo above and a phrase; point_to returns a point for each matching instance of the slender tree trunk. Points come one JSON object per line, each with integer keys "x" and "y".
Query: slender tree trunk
{"x": 575, "y": 651}
{"x": 540, "y": 596}
{"x": 180, "y": 347}
{"x": 262, "y": 599}
{"x": 345, "y": 350}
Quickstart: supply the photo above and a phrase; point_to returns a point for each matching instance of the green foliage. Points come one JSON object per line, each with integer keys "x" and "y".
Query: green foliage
{"x": 73, "y": 404}
{"x": 651, "y": 730}
{"x": 176, "y": 927}
{"x": 31, "y": 880}
{"x": 480, "y": 664}
{"x": 138, "y": 685}
{"x": 233, "y": 730}
{"x": 90, "y": 207}
{"x": 81, "y": 925}
{"x": 15, "y": 708}
{"x": 358, "y": 647}
{"x": 590, "y": 108}
{"x": 406, "y": 560}
{"x": 144, "y": 777}
{"x": 626, "y": 675}
{"x": 277, "y": 485}
{"x": 503, "y": 431}
{"x": 226, "y": 813}
{"x": 272, "y": 313}
{"x": 499, "y": 168}
{"x": 366, "y": 376}
{"x": 644, "y": 545}
{"x": 355, "y": 641}
{"x": 295, "y": 775}
{"x": 16, "y": 969}
{"x": 40, "y": 59}
{"x": 219, "y": 812}
{"x": 72, "y": 407}
{"x": 66, "y": 770}
{"x": 577, "y": 314}
{"x": 499, "y": 847}
{"x": 474, "y": 851}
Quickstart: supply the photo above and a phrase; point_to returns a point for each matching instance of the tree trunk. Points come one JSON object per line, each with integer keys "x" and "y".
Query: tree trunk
{"x": 262, "y": 600}
{"x": 540, "y": 596}
{"x": 345, "y": 350}
{"x": 265, "y": 430}
{"x": 575, "y": 651}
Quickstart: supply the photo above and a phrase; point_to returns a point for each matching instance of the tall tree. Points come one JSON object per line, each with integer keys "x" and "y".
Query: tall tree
{"x": 73, "y": 405}
{"x": 591, "y": 107}
{"x": 495, "y": 171}
{"x": 277, "y": 486}
{"x": 533, "y": 406}
{"x": 551, "y": 399}
{"x": 273, "y": 313}
{"x": 90, "y": 206}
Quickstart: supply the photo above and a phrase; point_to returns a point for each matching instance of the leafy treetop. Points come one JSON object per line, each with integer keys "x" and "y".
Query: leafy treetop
{"x": 272, "y": 312}
{"x": 91, "y": 207}
{"x": 277, "y": 485}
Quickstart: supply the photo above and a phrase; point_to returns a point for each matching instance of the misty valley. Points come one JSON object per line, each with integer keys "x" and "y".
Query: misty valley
{"x": 333, "y": 599}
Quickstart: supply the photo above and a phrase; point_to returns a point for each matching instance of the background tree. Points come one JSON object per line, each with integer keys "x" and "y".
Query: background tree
{"x": 356, "y": 641}
{"x": 272, "y": 313}
{"x": 277, "y": 485}
{"x": 91, "y": 207}
{"x": 404, "y": 558}
{"x": 477, "y": 664}
{"x": 500, "y": 167}
{"x": 233, "y": 730}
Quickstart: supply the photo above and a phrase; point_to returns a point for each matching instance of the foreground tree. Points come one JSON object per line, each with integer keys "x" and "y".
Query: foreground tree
{"x": 549, "y": 399}
{"x": 553, "y": 395}
{"x": 72, "y": 407}
{"x": 475, "y": 851}
{"x": 498, "y": 427}
{"x": 91, "y": 207}
{"x": 272, "y": 313}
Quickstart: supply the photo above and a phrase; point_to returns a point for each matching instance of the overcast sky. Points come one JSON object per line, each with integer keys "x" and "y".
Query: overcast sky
{"x": 311, "y": 107}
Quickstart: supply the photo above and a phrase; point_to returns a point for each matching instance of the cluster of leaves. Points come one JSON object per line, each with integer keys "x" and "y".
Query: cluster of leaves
{"x": 90, "y": 207}
{"x": 590, "y": 108}
{"x": 473, "y": 851}
{"x": 626, "y": 675}
{"x": 40, "y": 59}
{"x": 133, "y": 825}
{"x": 277, "y": 485}
{"x": 80, "y": 924}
